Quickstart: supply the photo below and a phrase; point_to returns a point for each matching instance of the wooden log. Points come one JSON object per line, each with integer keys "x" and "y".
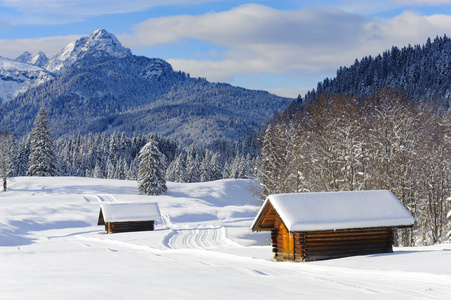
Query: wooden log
{"x": 317, "y": 234}
{"x": 380, "y": 240}
{"x": 328, "y": 255}
{"x": 349, "y": 237}
{"x": 344, "y": 246}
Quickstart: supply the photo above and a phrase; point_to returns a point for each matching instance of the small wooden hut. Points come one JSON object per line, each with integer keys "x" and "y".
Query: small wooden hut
{"x": 314, "y": 226}
{"x": 125, "y": 217}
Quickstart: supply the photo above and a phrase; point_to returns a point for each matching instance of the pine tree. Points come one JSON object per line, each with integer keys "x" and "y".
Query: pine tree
{"x": 271, "y": 166}
{"x": 21, "y": 163}
{"x": 192, "y": 169}
{"x": 215, "y": 166}
{"x": 43, "y": 160}
{"x": 152, "y": 170}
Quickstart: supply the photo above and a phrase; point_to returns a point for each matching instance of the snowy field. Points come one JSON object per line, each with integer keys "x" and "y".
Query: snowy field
{"x": 51, "y": 248}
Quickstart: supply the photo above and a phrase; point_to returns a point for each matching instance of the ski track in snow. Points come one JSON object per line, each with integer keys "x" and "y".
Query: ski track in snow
{"x": 198, "y": 238}
{"x": 102, "y": 198}
{"x": 195, "y": 236}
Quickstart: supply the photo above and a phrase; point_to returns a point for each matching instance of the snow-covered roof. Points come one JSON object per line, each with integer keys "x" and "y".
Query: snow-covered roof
{"x": 338, "y": 210}
{"x": 124, "y": 212}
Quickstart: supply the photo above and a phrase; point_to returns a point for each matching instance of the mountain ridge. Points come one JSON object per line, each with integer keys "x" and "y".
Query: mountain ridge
{"x": 100, "y": 86}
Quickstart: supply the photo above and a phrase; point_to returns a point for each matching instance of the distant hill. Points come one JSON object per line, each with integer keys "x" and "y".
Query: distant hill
{"x": 423, "y": 72}
{"x": 99, "y": 86}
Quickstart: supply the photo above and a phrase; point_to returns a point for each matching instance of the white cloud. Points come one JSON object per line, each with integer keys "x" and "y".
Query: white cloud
{"x": 69, "y": 11}
{"x": 261, "y": 39}
{"x": 422, "y": 2}
{"x": 289, "y": 93}
{"x": 371, "y": 7}
{"x": 50, "y": 45}
{"x": 4, "y": 24}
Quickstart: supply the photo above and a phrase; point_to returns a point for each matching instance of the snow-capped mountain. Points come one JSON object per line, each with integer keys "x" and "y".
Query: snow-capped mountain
{"x": 100, "y": 86}
{"x": 100, "y": 42}
{"x": 39, "y": 59}
{"x": 28, "y": 70}
{"x": 17, "y": 77}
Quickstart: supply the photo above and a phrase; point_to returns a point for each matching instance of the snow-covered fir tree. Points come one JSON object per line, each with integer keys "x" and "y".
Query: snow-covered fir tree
{"x": 176, "y": 169}
{"x": 6, "y": 157}
{"x": 192, "y": 170}
{"x": 21, "y": 163}
{"x": 43, "y": 160}
{"x": 152, "y": 170}
{"x": 215, "y": 167}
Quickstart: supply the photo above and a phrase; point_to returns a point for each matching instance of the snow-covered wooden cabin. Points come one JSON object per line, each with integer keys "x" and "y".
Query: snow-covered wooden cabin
{"x": 124, "y": 217}
{"x": 314, "y": 226}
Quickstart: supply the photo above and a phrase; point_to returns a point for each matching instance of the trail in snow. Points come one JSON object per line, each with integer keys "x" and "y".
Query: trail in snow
{"x": 195, "y": 236}
{"x": 198, "y": 238}
{"x": 105, "y": 198}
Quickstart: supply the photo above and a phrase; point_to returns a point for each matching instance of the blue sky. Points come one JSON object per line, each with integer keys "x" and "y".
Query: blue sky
{"x": 285, "y": 47}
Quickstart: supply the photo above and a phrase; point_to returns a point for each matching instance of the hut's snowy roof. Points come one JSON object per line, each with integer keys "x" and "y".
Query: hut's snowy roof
{"x": 124, "y": 212}
{"x": 338, "y": 210}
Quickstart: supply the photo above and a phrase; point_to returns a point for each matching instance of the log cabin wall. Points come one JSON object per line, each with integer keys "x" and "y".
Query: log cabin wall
{"x": 115, "y": 227}
{"x": 283, "y": 243}
{"x": 299, "y": 246}
{"x": 318, "y": 245}
{"x": 342, "y": 243}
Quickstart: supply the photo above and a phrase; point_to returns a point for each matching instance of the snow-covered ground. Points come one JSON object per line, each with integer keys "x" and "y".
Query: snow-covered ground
{"x": 51, "y": 248}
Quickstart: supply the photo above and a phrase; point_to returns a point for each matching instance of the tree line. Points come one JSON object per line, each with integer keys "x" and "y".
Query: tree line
{"x": 422, "y": 71}
{"x": 385, "y": 141}
{"x": 116, "y": 156}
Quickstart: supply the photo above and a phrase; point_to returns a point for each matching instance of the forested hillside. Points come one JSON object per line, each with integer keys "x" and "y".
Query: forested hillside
{"x": 137, "y": 94}
{"x": 383, "y": 123}
{"x": 423, "y": 72}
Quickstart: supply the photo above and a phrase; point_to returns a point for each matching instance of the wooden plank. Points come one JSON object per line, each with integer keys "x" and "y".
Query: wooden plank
{"x": 267, "y": 220}
{"x": 101, "y": 220}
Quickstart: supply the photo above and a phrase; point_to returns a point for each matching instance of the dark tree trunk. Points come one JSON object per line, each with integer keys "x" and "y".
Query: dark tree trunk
{"x": 4, "y": 184}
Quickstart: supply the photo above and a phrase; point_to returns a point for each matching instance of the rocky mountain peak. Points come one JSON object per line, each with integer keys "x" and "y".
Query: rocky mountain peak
{"x": 100, "y": 42}
{"x": 39, "y": 59}
{"x": 24, "y": 57}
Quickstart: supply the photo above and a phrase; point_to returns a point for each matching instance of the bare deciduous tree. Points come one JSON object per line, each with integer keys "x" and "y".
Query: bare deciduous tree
{"x": 6, "y": 156}
{"x": 338, "y": 143}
